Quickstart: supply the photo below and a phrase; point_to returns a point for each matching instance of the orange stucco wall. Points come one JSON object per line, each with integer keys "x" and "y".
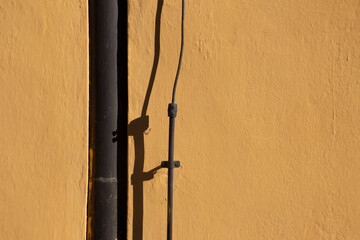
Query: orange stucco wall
{"x": 267, "y": 130}
{"x": 44, "y": 119}
{"x": 268, "y": 124}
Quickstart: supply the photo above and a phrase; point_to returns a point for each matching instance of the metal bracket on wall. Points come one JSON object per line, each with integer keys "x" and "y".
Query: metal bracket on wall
{"x": 167, "y": 164}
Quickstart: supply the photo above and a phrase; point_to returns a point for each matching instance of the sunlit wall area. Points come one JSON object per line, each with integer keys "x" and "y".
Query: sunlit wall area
{"x": 267, "y": 130}
{"x": 44, "y": 119}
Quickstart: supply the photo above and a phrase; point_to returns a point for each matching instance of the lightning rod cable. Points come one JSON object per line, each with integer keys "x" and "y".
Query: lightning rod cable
{"x": 172, "y": 111}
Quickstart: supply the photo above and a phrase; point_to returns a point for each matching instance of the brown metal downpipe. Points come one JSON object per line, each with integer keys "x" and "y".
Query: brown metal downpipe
{"x": 103, "y": 179}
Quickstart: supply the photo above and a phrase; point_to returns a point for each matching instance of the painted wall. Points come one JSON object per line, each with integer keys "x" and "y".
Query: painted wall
{"x": 268, "y": 124}
{"x": 44, "y": 119}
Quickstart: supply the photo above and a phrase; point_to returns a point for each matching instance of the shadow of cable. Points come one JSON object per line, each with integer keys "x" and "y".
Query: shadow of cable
{"x": 136, "y": 129}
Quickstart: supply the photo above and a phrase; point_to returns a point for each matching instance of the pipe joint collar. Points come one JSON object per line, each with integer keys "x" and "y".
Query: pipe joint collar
{"x": 172, "y": 110}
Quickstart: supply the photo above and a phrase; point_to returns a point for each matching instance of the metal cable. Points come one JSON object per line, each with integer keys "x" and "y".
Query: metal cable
{"x": 181, "y": 51}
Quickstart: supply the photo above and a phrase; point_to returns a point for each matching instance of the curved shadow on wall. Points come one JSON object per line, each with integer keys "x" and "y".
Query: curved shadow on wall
{"x": 136, "y": 129}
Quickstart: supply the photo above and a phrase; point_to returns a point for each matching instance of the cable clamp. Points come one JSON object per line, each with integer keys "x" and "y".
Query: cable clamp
{"x": 167, "y": 164}
{"x": 172, "y": 110}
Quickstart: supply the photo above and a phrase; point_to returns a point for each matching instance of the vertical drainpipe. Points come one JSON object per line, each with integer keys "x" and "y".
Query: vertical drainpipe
{"x": 103, "y": 182}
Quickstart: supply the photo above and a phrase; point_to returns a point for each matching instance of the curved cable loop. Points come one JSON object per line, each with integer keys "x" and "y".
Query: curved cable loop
{"x": 181, "y": 50}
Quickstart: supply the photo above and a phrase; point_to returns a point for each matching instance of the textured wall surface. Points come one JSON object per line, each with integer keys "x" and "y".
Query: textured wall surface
{"x": 268, "y": 124}
{"x": 44, "y": 119}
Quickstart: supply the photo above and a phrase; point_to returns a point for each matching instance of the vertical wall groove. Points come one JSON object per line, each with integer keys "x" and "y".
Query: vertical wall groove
{"x": 122, "y": 137}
